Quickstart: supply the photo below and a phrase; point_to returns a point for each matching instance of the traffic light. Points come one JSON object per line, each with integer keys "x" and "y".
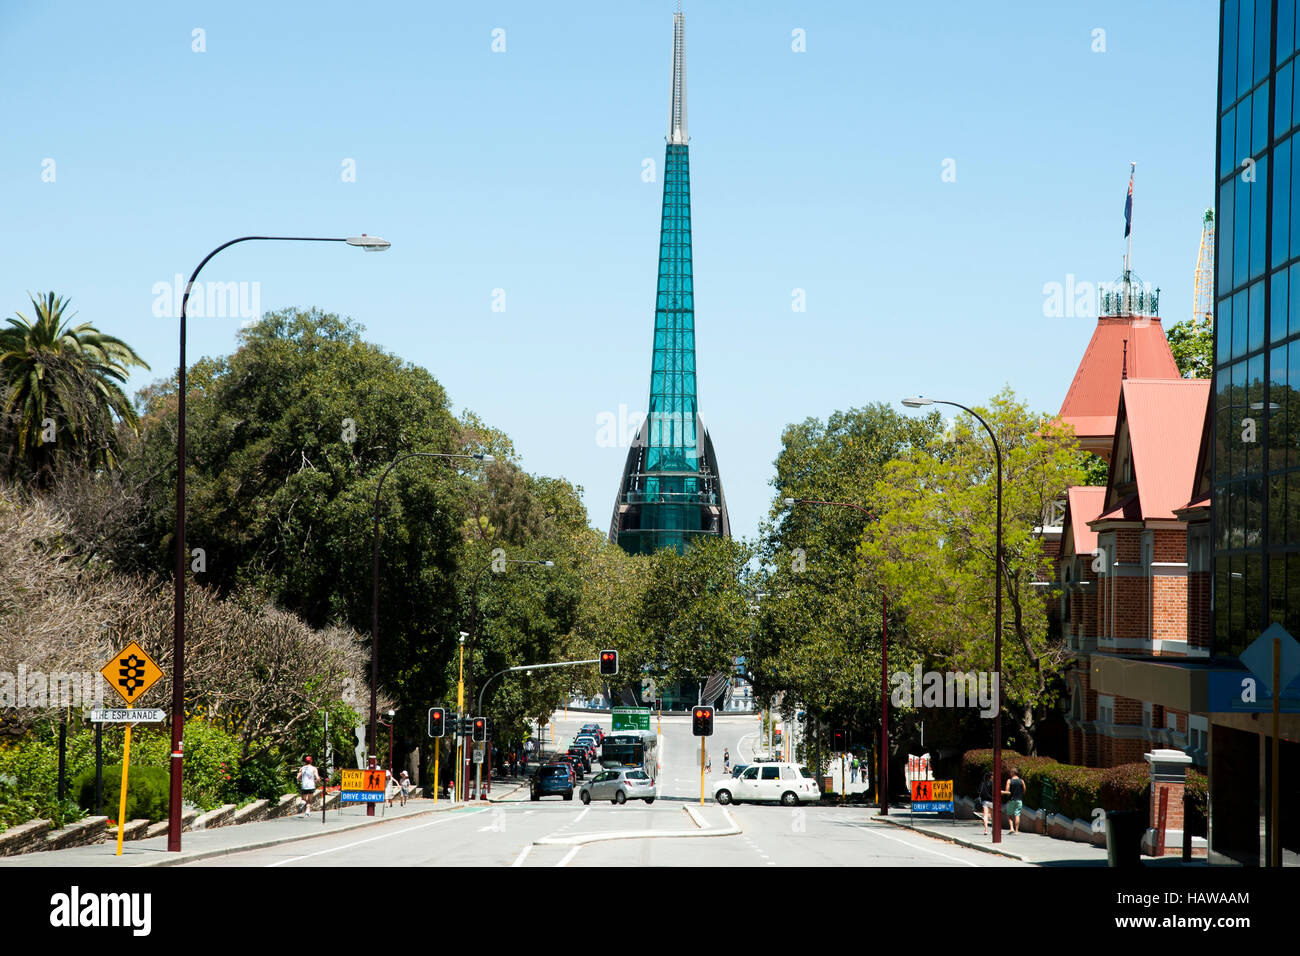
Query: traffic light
{"x": 659, "y": 704}
{"x": 480, "y": 728}
{"x": 702, "y": 722}
{"x": 437, "y": 722}
{"x": 840, "y": 740}
{"x": 609, "y": 662}
{"x": 462, "y": 726}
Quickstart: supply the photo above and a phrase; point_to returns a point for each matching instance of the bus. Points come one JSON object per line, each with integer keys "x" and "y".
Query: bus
{"x": 631, "y": 748}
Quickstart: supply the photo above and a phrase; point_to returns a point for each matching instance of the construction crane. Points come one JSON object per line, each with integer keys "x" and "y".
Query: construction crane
{"x": 1203, "y": 293}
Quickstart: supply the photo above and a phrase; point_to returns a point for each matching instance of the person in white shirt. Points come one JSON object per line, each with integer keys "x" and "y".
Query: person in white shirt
{"x": 308, "y": 778}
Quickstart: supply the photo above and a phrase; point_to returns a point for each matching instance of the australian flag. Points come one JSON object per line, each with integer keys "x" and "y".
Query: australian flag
{"x": 1128, "y": 204}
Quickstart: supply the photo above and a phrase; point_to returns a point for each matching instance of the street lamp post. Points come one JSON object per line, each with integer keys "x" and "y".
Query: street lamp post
{"x": 473, "y": 636}
{"x": 370, "y": 244}
{"x": 372, "y": 743}
{"x": 999, "y": 572}
{"x": 882, "y": 782}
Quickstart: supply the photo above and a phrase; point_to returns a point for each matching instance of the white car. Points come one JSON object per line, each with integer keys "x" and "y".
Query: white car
{"x": 788, "y": 783}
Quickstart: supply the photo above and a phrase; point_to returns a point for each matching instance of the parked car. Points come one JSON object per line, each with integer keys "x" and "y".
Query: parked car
{"x": 619, "y": 786}
{"x": 788, "y": 783}
{"x": 553, "y": 779}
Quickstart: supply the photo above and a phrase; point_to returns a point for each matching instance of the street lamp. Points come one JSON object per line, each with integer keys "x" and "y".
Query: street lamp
{"x": 999, "y": 571}
{"x": 374, "y": 592}
{"x": 882, "y": 782}
{"x": 368, "y": 243}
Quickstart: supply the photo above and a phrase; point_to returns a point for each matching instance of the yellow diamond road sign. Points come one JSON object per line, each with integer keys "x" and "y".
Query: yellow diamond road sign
{"x": 131, "y": 672}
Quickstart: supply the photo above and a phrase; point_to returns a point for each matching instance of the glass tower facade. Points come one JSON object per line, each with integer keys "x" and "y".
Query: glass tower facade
{"x": 1256, "y": 458}
{"x": 670, "y": 493}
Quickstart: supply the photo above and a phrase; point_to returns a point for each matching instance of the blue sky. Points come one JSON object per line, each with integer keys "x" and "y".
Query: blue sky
{"x": 521, "y": 171}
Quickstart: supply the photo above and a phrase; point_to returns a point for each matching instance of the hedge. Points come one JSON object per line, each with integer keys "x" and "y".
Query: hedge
{"x": 1077, "y": 790}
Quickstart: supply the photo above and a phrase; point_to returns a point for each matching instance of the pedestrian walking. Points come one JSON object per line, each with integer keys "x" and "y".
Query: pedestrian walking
{"x": 853, "y": 771}
{"x": 986, "y": 799}
{"x": 404, "y": 785}
{"x": 1016, "y": 791}
{"x": 308, "y": 779}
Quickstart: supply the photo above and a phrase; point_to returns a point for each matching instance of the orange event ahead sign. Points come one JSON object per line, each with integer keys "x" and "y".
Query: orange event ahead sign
{"x": 932, "y": 790}
{"x": 363, "y": 780}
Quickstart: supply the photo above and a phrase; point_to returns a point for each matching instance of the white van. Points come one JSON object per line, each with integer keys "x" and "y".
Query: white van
{"x": 788, "y": 783}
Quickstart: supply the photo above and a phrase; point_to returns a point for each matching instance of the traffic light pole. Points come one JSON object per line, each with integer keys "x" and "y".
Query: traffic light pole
{"x": 478, "y": 776}
{"x": 704, "y": 743}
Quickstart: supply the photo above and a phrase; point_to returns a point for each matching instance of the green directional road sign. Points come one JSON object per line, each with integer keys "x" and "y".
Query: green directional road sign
{"x": 631, "y": 718}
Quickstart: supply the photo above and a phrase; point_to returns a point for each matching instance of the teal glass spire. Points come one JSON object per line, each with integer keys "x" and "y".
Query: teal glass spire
{"x": 671, "y": 493}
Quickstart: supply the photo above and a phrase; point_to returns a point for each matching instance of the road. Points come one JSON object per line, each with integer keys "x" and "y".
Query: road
{"x": 518, "y": 832}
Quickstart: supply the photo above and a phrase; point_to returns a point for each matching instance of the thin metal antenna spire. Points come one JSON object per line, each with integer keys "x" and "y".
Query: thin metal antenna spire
{"x": 677, "y": 118}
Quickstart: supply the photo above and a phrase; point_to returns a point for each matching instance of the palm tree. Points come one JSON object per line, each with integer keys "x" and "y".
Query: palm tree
{"x": 54, "y": 377}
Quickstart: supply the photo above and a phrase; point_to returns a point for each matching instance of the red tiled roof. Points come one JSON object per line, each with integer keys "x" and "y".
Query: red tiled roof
{"x": 1164, "y": 418}
{"x": 1094, "y": 394}
{"x": 1083, "y": 504}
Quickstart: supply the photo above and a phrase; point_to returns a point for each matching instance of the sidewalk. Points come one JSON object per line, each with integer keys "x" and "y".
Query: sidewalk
{"x": 1028, "y": 847}
{"x": 205, "y": 844}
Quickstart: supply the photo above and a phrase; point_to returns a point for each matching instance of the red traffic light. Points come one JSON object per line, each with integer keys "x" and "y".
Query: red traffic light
{"x": 609, "y": 662}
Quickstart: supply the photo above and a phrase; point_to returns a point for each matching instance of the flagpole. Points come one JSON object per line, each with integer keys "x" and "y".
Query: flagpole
{"x": 1128, "y": 256}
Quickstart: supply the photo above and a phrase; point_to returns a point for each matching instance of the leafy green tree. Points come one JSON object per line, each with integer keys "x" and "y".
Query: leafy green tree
{"x": 1193, "y": 348}
{"x": 934, "y": 546}
{"x": 818, "y": 639}
{"x": 52, "y": 371}
{"x": 287, "y": 441}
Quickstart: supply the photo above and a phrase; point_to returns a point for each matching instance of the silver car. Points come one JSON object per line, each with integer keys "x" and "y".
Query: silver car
{"x": 619, "y": 786}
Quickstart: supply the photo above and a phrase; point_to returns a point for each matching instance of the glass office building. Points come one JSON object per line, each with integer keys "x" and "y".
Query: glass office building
{"x": 1256, "y": 460}
{"x": 1254, "y": 447}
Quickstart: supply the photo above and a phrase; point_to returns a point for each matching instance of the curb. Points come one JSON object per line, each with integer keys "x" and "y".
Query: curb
{"x": 949, "y": 838}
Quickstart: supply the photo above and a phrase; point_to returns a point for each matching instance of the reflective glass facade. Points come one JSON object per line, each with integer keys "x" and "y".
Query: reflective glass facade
{"x": 1256, "y": 496}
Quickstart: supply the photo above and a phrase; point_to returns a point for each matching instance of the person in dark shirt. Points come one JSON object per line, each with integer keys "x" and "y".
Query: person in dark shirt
{"x": 1016, "y": 792}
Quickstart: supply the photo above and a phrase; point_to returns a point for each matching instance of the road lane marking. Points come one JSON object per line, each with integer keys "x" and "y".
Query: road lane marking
{"x": 580, "y": 816}
{"x": 912, "y": 846}
{"x": 382, "y": 836}
{"x": 570, "y": 855}
{"x": 519, "y": 860}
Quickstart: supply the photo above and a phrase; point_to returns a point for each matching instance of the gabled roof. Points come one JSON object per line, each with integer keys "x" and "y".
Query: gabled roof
{"x": 1159, "y": 426}
{"x": 1082, "y": 504}
{"x": 1094, "y": 394}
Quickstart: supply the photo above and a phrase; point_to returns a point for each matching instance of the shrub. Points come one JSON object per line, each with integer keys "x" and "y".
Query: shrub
{"x": 29, "y": 771}
{"x": 1126, "y": 787}
{"x": 147, "y": 791}
{"x": 264, "y": 778}
{"x": 1197, "y": 797}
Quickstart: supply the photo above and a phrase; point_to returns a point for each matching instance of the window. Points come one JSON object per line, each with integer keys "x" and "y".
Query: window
{"x": 751, "y": 773}
{"x": 1171, "y": 722}
{"x": 804, "y": 771}
{"x": 1105, "y": 709}
{"x": 771, "y": 773}
{"x": 1146, "y": 713}
{"x": 787, "y": 773}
